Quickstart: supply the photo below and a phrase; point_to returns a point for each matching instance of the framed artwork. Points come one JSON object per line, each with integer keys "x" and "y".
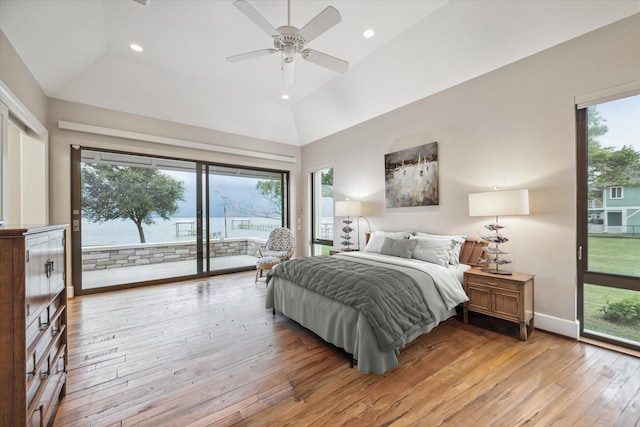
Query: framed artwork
{"x": 411, "y": 177}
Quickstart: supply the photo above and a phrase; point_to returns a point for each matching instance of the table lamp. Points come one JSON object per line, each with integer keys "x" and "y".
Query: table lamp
{"x": 497, "y": 203}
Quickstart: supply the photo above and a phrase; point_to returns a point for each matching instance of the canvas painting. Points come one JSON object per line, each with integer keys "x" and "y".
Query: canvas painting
{"x": 411, "y": 177}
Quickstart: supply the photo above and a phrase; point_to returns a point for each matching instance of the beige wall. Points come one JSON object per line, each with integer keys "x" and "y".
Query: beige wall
{"x": 15, "y": 74}
{"x": 26, "y": 178}
{"x": 26, "y": 90}
{"x": 514, "y": 127}
{"x": 62, "y": 140}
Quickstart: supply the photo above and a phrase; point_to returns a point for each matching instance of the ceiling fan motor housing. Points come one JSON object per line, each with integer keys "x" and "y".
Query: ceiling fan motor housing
{"x": 289, "y": 41}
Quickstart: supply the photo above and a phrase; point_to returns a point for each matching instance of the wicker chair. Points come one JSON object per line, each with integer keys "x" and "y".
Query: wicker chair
{"x": 279, "y": 247}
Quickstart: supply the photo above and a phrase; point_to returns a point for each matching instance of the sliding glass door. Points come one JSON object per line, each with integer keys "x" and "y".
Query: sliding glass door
{"x": 245, "y": 205}
{"x": 138, "y": 218}
{"x": 608, "y": 136}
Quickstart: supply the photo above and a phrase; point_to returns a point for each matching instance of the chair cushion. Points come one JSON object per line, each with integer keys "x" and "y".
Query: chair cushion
{"x": 276, "y": 254}
{"x": 280, "y": 239}
{"x": 267, "y": 260}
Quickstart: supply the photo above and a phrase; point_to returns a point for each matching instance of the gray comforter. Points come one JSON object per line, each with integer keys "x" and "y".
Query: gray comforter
{"x": 391, "y": 299}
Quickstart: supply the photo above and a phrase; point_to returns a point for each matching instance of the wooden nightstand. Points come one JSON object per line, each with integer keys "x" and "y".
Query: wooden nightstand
{"x": 505, "y": 297}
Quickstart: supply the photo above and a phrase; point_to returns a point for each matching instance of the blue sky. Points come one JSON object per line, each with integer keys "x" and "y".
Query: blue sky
{"x": 623, "y": 120}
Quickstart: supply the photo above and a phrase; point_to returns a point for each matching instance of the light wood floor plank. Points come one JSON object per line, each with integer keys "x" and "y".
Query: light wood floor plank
{"x": 207, "y": 353}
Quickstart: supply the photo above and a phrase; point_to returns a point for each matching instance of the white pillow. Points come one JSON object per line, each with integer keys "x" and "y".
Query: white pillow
{"x": 377, "y": 239}
{"x": 434, "y": 250}
{"x": 454, "y": 258}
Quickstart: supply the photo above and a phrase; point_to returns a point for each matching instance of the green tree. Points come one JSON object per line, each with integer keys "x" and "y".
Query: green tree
{"x": 608, "y": 166}
{"x": 112, "y": 192}
{"x": 272, "y": 192}
{"x": 326, "y": 179}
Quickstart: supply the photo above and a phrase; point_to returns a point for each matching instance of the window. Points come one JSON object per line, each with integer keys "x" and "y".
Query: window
{"x": 142, "y": 218}
{"x": 608, "y": 137}
{"x": 321, "y": 211}
{"x": 616, "y": 193}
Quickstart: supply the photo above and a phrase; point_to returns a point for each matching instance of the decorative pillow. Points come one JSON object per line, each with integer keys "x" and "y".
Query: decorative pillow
{"x": 434, "y": 250}
{"x": 377, "y": 238}
{"x": 454, "y": 258}
{"x": 402, "y": 248}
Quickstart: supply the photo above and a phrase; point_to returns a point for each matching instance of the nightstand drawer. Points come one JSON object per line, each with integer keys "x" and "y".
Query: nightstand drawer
{"x": 496, "y": 282}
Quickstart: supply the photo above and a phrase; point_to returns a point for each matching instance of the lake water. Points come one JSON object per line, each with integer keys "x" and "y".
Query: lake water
{"x": 120, "y": 232}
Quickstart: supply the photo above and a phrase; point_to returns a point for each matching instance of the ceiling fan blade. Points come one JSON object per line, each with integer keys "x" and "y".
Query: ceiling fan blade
{"x": 248, "y": 55}
{"x": 321, "y": 23}
{"x": 324, "y": 60}
{"x": 253, "y": 14}
{"x": 288, "y": 73}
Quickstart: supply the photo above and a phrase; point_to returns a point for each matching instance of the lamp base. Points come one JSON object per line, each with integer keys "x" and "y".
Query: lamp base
{"x": 496, "y": 271}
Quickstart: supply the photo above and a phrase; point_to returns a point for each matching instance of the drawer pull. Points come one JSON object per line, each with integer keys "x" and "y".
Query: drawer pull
{"x": 49, "y": 268}
{"x": 44, "y": 326}
{"x": 44, "y": 375}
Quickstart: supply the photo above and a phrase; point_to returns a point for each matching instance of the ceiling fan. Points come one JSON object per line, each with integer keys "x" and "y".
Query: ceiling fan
{"x": 291, "y": 41}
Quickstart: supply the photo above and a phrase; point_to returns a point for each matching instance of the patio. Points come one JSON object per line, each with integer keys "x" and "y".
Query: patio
{"x": 117, "y": 276}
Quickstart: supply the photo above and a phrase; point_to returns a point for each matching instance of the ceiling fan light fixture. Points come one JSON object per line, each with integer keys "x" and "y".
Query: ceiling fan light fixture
{"x": 135, "y": 47}
{"x": 284, "y": 96}
{"x": 368, "y": 33}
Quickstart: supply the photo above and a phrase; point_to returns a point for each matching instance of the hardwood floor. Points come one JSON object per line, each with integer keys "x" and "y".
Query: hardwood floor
{"x": 208, "y": 353}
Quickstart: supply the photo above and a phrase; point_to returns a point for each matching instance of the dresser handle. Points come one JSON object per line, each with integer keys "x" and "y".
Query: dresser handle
{"x": 44, "y": 326}
{"x": 49, "y": 267}
{"x": 44, "y": 375}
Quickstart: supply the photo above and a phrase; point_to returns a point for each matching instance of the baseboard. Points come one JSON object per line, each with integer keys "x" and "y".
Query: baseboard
{"x": 568, "y": 328}
{"x": 69, "y": 292}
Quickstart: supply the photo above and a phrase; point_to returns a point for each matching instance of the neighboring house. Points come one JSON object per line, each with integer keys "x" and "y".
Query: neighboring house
{"x": 617, "y": 212}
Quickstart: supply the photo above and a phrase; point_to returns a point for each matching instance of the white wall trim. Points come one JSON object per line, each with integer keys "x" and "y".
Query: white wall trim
{"x": 98, "y": 130}
{"x": 568, "y": 328}
{"x": 19, "y": 110}
{"x": 608, "y": 94}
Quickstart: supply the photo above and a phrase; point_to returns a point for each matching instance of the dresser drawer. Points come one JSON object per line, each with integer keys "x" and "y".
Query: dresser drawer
{"x": 37, "y": 328}
{"x": 53, "y": 384}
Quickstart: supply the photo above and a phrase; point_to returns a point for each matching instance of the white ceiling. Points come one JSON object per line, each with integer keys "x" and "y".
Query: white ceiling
{"x": 78, "y": 50}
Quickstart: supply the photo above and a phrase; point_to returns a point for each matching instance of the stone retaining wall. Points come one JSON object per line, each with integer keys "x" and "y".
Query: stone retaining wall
{"x": 107, "y": 257}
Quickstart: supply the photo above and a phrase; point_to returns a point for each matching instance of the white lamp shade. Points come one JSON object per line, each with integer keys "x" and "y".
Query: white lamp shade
{"x": 498, "y": 203}
{"x": 348, "y": 208}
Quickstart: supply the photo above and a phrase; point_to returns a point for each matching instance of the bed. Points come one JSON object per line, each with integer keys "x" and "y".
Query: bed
{"x": 374, "y": 302}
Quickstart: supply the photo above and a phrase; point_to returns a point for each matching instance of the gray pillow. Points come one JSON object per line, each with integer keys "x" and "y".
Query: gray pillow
{"x": 402, "y": 248}
{"x": 437, "y": 251}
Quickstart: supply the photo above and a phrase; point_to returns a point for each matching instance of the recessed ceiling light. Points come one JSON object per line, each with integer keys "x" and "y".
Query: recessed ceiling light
{"x": 368, "y": 33}
{"x": 136, "y": 47}
{"x": 285, "y": 96}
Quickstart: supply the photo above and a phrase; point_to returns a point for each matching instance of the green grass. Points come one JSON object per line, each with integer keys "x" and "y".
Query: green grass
{"x": 614, "y": 255}
{"x": 595, "y": 298}
{"x": 617, "y": 256}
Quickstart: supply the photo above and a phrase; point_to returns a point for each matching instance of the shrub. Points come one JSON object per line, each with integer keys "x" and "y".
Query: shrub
{"x": 626, "y": 310}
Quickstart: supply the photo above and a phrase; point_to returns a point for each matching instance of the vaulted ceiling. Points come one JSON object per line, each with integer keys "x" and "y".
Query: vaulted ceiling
{"x": 78, "y": 50}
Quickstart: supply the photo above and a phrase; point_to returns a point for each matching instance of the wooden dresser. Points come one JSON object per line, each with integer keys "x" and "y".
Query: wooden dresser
{"x": 33, "y": 323}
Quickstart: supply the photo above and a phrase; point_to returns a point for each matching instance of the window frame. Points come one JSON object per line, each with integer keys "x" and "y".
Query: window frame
{"x": 617, "y": 188}
{"x": 315, "y": 240}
